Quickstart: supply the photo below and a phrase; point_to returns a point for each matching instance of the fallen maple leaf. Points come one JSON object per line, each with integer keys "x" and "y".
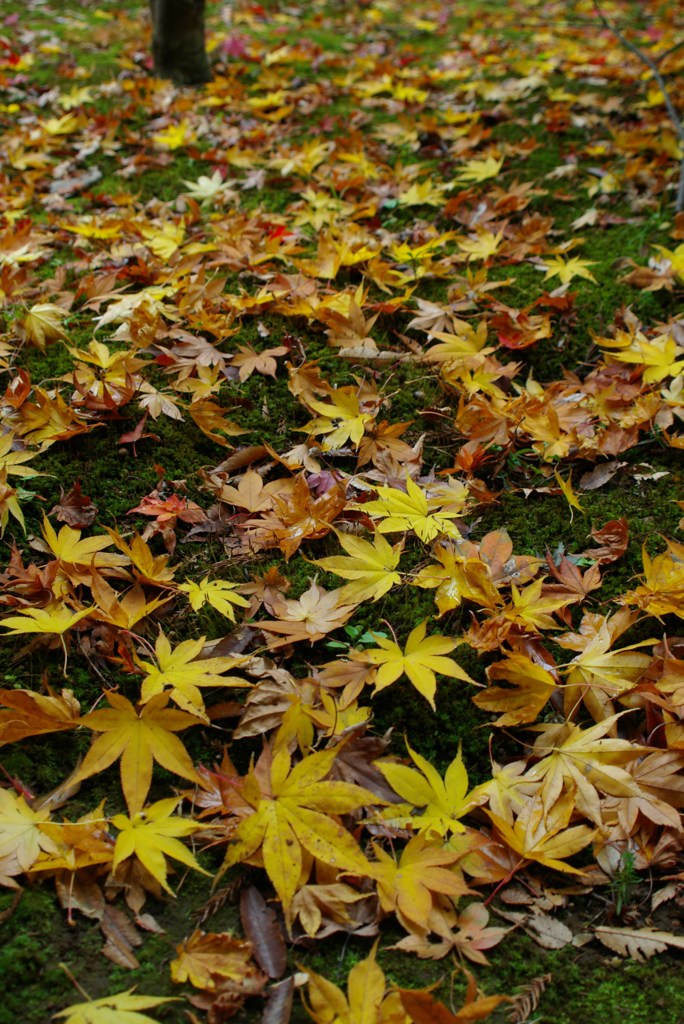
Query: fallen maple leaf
{"x": 207, "y": 188}
{"x": 249, "y": 361}
{"x": 296, "y": 815}
{"x": 218, "y": 593}
{"x": 204, "y": 957}
{"x": 532, "y": 687}
{"x": 55, "y": 618}
{"x": 409, "y": 885}
{"x": 121, "y": 1008}
{"x": 182, "y": 671}
{"x": 33, "y": 714}
{"x": 480, "y": 170}
{"x": 567, "y": 269}
{"x": 423, "y": 1008}
{"x": 662, "y": 590}
{"x": 340, "y": 419}
{"x": 151, "y": 835}
{"x": 411, "y": 510}
{"x": 367, "y": 1000}
{"x": 370, "y": 567}
{"x": 588, "y": 760}
{"x": 126, "y": 612}
{"x": 422, "y": 658}
{"x": 531, "y": 609}
{"x": 544, "y": 838}
{"x": 76, "y": 555}
{"x": 43, "y": 323}
{"x": 456, "y": 579}
{"x": 568, "y": 493}
{"x": 441, "y": 802}
{"x": 138, "y": 738}
{"x": 147, "y": 568}
{"x": 316, "y": 613}
{"x": 21, "y": 838}
{"x": 75, "y": 508}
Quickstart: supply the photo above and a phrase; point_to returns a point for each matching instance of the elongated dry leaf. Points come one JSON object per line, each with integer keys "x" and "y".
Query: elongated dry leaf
{"x": 638, "y": 943}
{"x": 278, "y": 1009}
{"x": 261, "y": 927}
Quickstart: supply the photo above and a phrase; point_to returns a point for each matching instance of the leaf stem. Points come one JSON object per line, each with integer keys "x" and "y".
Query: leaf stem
{"x": 72, "y": 979}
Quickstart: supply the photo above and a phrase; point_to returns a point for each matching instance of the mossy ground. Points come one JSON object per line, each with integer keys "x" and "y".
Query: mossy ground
{"x": 95, "y": 44}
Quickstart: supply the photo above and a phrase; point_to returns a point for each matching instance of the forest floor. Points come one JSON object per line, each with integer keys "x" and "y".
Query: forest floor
{"x": 390, "y": 246}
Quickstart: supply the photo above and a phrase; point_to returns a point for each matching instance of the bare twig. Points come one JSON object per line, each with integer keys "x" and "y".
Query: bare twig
{"x": 668, "y": 53}
{"x": 652, "y": 64}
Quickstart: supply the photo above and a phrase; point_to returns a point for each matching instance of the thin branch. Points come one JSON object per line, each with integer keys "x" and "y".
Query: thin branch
{"x": 668, "y": 53}
{"x": 646, "y": 59}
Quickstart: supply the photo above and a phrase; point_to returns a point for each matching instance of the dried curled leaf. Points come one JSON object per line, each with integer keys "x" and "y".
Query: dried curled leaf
{"x": 638, "y": 943}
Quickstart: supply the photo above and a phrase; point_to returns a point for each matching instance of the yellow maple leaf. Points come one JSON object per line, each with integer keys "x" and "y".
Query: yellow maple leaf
{"x": 138, "y": 738}
{"x": 483, "y": 246}
{"x": 583, "y": 763}
{"x": 21, "y": 838}
{"x": 210, "y": 418}
{"x": 441, "y": 801}
{"x": 598, "y": 675}
{"x": 422, "y": 658}
{"x": 411, "y": 510}
{"x": 94, "y": 227}
{"x": 675, "y": 257}
{"x": 408, "y": 887}
{"x": 367, "y": 1000}
{"x": 43, "y": 323}
{"x": 479, "y": 170}
{"x": 55, "y": 618}
{"x": 297, "y": 814}
{"x": 11, "y": 461}
{"x": 530, "y": 609}
{"x": 220, "y": 594}
{"x": 456, "y": 345}
{"x": 204, "y": 958}
{"x": 125, "y": 611}
{"x": 175, "y": 136}
{"x": 151, "y": 835}
{"x": 661, "y": 357}
{"x": 163, "y": 239}
{"x": 422, "y": 193}
{"x": 568, "y": 493}
{"x": 341, "y": 418}
{"x": 121, "y": 1007}
{"x": 457, "y": 578}
{"x": 147, "y": 568}
{"x": 567, "y": 269}
{"x": 69, "y": 547}
{"x": 9, "y": 503}
{"x": 532, "y": 686}
{"x": 544, "y": 837}
{"x": 662, "y": 590}
{"x": 181, "y": 671}
{"x": 370, "y": 567}
{"x": 77, "y": 555}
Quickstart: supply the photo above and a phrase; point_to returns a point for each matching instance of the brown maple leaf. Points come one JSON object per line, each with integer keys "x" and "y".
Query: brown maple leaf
{"x": 315, "y": 614}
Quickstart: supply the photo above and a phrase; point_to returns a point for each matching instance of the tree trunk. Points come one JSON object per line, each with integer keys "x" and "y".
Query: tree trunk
{"x": 178, "y": 41}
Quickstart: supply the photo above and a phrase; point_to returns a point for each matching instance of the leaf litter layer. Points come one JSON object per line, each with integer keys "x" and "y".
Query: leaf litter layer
{"x": 340, "y": 498}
